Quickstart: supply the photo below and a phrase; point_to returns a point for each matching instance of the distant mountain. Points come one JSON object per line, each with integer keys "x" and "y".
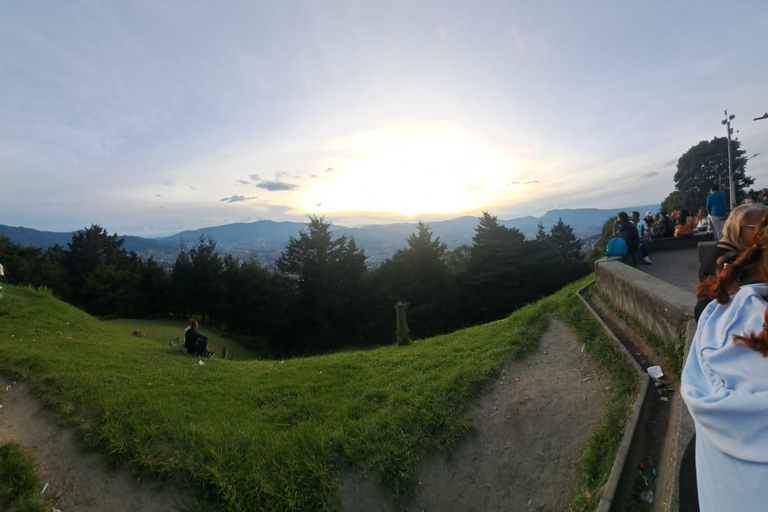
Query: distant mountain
{"x": 45, "y": 239}
{"x": 584, "y": 221}
{"x": 266, "y": 239}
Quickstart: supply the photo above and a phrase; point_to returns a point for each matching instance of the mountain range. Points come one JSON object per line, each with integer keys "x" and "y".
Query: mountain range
{"x": 265, "y": 239}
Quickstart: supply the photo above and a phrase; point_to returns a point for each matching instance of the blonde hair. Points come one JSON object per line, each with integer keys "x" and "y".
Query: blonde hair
{"x": 728, "y": 280}
{"x": 736, "y": 220}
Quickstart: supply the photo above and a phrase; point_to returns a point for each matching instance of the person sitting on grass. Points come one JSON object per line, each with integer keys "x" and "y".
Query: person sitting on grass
{"x": 194, "y": 342}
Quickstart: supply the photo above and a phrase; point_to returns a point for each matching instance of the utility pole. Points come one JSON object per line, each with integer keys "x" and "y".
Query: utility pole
{"x": 727, "y": 123}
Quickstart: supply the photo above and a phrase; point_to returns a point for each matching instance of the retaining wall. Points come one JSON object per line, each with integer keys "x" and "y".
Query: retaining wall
{"x": 662, "y": 308}
{"x": 667, "y": 311}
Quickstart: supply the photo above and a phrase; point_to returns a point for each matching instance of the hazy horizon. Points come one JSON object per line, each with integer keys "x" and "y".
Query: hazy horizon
{"x": 151, "y": 119}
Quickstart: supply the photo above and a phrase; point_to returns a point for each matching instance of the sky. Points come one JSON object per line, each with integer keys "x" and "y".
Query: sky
{"x": 149, "y": 118}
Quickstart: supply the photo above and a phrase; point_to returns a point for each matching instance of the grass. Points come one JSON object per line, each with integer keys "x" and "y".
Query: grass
{"x": 164, "y": 330}
{"x": 252, "y": 434}
{"x": 19, "y": 484}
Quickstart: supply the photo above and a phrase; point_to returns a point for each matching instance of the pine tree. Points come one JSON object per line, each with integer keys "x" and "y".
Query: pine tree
{"x": 329, "y": 273}
{"x": 564, "y": 241}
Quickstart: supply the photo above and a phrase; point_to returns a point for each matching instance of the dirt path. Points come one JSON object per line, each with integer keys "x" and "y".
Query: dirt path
{"x": 77, "y": 481}
{"x": 531, "y": 428}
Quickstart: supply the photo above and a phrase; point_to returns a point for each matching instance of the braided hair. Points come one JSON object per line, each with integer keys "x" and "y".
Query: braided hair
{"x": 733, "y": 275}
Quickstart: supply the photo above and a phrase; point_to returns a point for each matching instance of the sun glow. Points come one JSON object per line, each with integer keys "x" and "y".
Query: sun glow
{"x": 414, "y": 170}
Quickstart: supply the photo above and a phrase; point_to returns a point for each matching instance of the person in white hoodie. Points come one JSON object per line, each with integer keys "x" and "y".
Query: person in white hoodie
{"x": 725, "y": 384}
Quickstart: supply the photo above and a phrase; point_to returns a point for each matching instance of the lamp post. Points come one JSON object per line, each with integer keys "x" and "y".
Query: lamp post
{"x": 764, "y": 116}
{"x": 727, "y": 123}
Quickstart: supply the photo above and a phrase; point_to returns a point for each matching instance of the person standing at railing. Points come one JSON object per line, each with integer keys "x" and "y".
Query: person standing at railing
{"x": 717, "y": 210}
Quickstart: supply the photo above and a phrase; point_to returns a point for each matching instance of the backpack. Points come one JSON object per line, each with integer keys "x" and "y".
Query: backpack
{"x": 616, "y": 246}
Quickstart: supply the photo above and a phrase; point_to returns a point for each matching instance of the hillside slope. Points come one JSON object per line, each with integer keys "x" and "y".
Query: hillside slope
{"x": 260, "y": 434}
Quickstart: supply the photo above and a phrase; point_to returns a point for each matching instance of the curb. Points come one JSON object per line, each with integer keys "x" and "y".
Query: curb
{"x": 609, "y": 490}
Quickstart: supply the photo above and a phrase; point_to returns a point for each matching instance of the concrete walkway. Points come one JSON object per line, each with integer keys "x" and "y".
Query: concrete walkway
{"x": 679, "y": 268}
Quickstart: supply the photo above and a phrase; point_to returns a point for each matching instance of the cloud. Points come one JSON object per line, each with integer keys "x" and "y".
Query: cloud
{"x": 522, "y": 183}
{"x": 254, "y": 177}
{"x": 442, "y": 33}
{"x": 518, "y": 40}
{"x": 244, "y": 182}
{"x": 330, "y": 169}
{"x": 168, "y": 183}
{"x": 283, "y": 174}
{"x": 192, "y": 187}
{"x": 275, "y": 186}
{"x": 235, "y": 199}
{"x": 313, "y": 176}
{"x": 158, "y": 195}
{"x": 649, "y": 175}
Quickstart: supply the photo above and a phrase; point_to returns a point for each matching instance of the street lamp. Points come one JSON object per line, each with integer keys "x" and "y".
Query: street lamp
{"x": 727, "y": 123}
{"x": 764, "y": 116}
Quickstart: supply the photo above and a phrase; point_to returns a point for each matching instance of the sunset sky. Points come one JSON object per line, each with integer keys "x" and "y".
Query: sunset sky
{"x": 153, "y": 117}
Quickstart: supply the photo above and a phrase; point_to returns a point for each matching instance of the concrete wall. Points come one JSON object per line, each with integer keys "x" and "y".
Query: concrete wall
{"x": 667, "y": 311}
{"x": 662, "y": 308}
{"x": 673, "y": 244}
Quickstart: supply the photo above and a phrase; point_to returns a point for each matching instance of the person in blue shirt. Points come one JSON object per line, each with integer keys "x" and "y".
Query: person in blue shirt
{"x": 717, "y": 210}
{"x": 725, "y": 384}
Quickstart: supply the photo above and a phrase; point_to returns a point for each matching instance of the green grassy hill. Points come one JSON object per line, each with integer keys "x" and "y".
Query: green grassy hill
{"x": 248, "y": 434}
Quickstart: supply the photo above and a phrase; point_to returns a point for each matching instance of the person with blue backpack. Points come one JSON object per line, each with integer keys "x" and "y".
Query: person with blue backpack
{"x": 623, "y": 231}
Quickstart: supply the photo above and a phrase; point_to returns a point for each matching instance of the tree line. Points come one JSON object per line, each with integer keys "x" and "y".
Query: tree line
{"x": 322, "y": 297}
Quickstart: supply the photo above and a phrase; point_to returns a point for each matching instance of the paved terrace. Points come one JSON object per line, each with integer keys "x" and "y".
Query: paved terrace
{"x": 679, "y": 268}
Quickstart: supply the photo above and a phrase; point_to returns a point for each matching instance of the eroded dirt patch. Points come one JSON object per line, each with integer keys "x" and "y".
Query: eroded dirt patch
{"x": 530, "y": 430}
{"x": 77, "y": 481}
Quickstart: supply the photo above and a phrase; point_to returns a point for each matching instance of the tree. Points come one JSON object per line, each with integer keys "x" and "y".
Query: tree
{"x": 207, "y": 286}
{"x": 101, "y": 274}
{"x": 20, "y": 262}
{"x": 256, "y": 302}
{"x": 706, "y": 163}
{"x": 328, "y": 273}
{"x": 457, "y": 260}
{"x": 606, "y": 233}
{"x": 674, "y": 201}
{"x": 564, "y": 241}
{"x": 182, "y": 276}
{"x": 541, "y": 234}
{"x": 420, "y": 276}
{"x": 495, "y": 278}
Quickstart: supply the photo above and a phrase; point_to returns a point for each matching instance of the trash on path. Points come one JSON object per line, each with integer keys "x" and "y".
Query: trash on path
{"x": 582, "y": 348}
{"x": 45, "y": 488}
{"x": 655, "y": 372}
{"x": 200, "y": 362}
{"x": 647, "y": 496}
{"x": 585, "y": 380}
